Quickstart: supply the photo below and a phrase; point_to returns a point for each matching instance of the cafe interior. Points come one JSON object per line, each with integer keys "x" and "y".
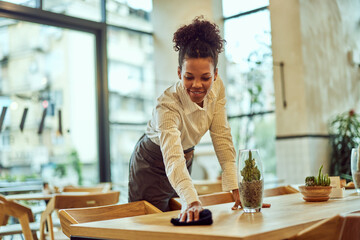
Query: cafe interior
{"x": 79, "y": 80}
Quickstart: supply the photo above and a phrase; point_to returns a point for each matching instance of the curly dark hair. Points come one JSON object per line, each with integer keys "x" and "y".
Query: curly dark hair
{"x": 200, "y": 39}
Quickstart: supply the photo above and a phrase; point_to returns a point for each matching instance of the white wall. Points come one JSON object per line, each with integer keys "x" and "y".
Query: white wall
{"x": 312, "y": 38}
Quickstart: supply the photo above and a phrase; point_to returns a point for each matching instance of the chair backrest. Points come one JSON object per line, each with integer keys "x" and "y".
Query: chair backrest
{"x": 103, "y": 187}
{"x": 207, "y": 187}
{"x": 206, "y": 200}
{"x": 282, "y": 190}
{"x": 339, "y": 227}
{"x": 91, "y": 214}
{"x": 107, "y": 186}
{"x": 74, "y": 201}
{"x": 85, "y": 200}
{"x": 216, "y": 198}
{"x": 21, "y": 212}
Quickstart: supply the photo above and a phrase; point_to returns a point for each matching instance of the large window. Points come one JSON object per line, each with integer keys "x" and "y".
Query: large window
{"x": 250, "y": 88}
{"x": 53, "y": 82}
{"x": 47, "y": 95}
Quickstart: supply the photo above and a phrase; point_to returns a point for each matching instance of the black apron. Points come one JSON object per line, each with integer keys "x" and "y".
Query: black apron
{"x": 147, "y": 177}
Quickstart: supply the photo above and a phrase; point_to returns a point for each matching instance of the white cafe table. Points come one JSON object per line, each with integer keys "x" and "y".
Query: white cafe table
{"x": 288, "y": 215}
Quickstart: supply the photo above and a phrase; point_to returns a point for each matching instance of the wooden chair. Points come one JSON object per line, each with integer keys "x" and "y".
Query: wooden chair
{"x": 74, "y": 201}
{"x": 27, "y": 226}
{"x": 339, "y": 227}
{"x": 282, "y": 190}
{"x": 216, "y": 198}
{"x": 206, "y": 187}
{"x": 83, "y": 215}
{"x": 206, "y": 200}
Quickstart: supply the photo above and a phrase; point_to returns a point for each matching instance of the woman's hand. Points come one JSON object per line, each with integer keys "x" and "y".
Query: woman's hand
{"x": 191, "y": 213}
{"x": 236, "y": 196}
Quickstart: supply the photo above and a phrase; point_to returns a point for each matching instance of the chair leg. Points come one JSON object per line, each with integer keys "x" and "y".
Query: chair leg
{"x": 42, "y": 231}
{"x": 51, "y": 228}
{"x": 34, "y": 236}
{"x": 25, "y": 226}
{"x": 3, "y": 220}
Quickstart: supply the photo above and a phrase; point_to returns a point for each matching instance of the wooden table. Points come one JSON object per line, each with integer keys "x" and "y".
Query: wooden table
{"x": 20, "y": 187}
{"x": 39, "y": 196}
{"x": 29, "y": 196}
{"x": 288, "y": 215}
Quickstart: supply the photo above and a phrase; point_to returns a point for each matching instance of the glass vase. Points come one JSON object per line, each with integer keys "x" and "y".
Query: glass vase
{"x": 355, "y": 168}
{"x": 251, "y": 180}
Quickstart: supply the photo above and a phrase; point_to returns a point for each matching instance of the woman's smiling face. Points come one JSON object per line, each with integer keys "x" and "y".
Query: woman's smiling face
{"x": 197, "y": 75}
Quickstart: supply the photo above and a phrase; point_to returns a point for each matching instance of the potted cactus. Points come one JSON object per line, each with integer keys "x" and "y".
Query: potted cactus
{"x": 316, "y": 189}
{"x": 251, "y": 184}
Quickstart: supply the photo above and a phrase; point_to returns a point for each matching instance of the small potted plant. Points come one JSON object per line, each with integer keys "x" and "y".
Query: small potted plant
{"x": 251, "y": 184}
{"x": 316, "y": 189}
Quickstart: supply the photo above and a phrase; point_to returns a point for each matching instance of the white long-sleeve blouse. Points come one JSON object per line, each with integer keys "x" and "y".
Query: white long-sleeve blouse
{"x": 178, "y": 124}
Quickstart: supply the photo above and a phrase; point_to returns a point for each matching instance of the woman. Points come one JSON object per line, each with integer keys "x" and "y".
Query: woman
{"x": 161, "y": 162}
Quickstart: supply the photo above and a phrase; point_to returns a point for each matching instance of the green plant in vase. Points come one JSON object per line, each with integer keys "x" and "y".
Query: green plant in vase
{"x": 344, "y": 132}
{"x": 355, "y": 165}
{"x": 252, "y": 185}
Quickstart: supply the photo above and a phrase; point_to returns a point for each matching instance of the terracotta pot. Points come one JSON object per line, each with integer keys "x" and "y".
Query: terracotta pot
{"x": 315, "y": 193}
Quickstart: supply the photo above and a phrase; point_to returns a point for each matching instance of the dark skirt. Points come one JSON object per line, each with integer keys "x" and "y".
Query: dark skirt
{"x": 147, "y": 177}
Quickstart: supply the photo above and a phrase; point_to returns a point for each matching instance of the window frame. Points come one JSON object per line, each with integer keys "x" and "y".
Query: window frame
{"x": 99, "y": 30}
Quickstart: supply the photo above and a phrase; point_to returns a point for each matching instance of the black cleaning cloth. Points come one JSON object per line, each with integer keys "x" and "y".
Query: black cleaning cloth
{"x": 205, "y": 218}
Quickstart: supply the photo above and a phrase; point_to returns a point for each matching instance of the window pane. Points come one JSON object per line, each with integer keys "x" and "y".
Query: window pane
{"x": 123, "y": 139}
{"x": 28, "y": 3}
{"x": 133, "y": 14}
{"x": 131, "y": 96}
{"x": 131, "y": 76}
{"x": 89, "y": 9}
{"x": 250, "y": 87}
{"x": 249, "y": 64}
{"x": 233, "y": 7}
{"x": 257, "y": 132}
{"x": 51, "y": 77}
